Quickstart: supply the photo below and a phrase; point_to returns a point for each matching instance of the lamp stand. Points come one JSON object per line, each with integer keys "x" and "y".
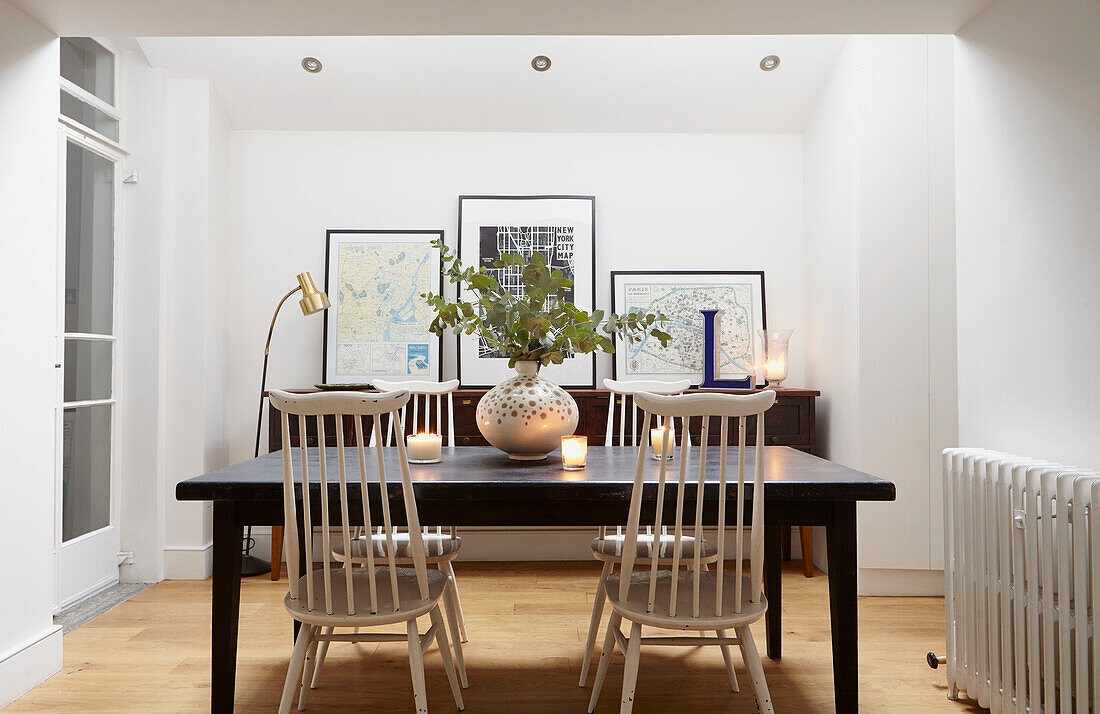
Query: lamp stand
{"x": 250, "y": 564}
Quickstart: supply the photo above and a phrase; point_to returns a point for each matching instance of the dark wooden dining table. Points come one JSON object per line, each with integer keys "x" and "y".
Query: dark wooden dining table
{"x": 480, "y": 486}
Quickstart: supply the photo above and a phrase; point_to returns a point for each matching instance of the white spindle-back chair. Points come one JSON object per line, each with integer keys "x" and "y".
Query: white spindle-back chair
{"x": 422, "y": 391}
{"x": 625, "y": 390}
{"x": 442, "y": 547}
{"x": 683, "y": 596}
{"x": 382, "y": 593}
{"x": 608, "y": 546}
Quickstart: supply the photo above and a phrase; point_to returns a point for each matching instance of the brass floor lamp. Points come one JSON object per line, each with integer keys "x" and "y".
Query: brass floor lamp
{"x": 313, "y": 300}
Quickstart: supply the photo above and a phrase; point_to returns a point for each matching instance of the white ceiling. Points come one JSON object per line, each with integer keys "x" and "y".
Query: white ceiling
{"x": 658, "y": 84}
{"x": 141, "y": 18}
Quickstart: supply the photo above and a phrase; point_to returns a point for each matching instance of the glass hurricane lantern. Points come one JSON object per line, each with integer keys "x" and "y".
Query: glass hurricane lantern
{"x": 775, "y": 345}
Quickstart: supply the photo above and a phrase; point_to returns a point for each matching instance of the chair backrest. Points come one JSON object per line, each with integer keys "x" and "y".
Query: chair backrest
{"x": 355, "y": 405}
{"x": 425, "y": 390}
{"x": 626, "y": 390}
{"x": 705, "y": 407}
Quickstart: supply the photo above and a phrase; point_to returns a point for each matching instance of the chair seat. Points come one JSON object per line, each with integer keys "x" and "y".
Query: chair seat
{"x": 410, "y": 604}
{"x": 611, "y": 548}
{"x": 634, "y": 606}
{"x": 436, "y": 547}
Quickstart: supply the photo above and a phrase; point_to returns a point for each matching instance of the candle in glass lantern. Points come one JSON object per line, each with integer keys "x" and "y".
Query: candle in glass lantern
{"x": 776, "y": 370}
{"x": 657, "y": 438}
{"x": 574, "y": 452}
{"x": 425, "y": 448}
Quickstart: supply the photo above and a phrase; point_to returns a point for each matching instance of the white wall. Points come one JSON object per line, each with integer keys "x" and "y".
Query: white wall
{"x": 704, "y": 201}
{"x": 142, "y": 386}
{"x": 30, "y": 644}
{"x": 879, "y": 255}
{"x": 1028, "y": 137}
{"x": 196, "y": 314}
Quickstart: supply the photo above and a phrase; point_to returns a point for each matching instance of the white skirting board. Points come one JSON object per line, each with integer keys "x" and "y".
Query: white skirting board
{"x": 900, "y": 583}
{"x": 189, "y": 562}
{"x": 28, "y": 665}
{"x": 523, "y": 544}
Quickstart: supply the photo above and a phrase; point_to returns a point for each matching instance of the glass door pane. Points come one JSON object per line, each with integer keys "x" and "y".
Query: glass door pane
{"x": 87, "y": 370}
{"x": 86, "y": 470}
{"x": 89, "y": 241}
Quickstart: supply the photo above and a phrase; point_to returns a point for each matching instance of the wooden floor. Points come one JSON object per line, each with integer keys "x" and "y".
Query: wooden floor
{"x": 526, "y": 625}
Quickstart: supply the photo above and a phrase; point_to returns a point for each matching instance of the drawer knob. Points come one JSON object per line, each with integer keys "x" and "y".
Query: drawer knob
{"x": 773, "y": 439}
{"x": 466, "y": 401}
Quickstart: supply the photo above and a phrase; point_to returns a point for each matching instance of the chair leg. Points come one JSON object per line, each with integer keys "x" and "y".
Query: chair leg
{"x": 322, "y": 650}
{"x": 449, "y": 597}
{"x": 294, "y": 669}
{"x": 630, "y": 673}
{"x": 416, "y": 667}
{"x": 605, "y": 659}
{"x": 756, "y": 671}
{"x": 728, "y": 657}
{"x": 806, "y": 533}
{"x": 445, "y": 651}
{"x": 307, "y": 669}
{"x": 594, "y": 623}
{"x": 446, "y": 566}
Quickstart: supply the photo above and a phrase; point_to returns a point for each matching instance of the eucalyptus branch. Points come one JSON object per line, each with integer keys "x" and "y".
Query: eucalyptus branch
{"x": 544, "y": 327}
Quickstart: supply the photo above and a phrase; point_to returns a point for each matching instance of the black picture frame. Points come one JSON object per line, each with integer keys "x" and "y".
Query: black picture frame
{"x": 462, "y": 200}
{"x": 372, "y": 231}
{"x": 616, "y": 274}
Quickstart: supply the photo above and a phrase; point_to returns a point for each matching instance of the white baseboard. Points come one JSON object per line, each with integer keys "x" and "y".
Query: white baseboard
{"x": 503, "y": 544}
{"x": 188, "y": 562}
{"x": 910, "y": 583}
{"x": 28, "y": 665}
{"x": 508, "y": 543}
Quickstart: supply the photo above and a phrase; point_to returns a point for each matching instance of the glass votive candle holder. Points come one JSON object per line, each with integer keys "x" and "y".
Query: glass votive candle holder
{"x": 658, "y": 436}
{"x": 424, "y": 448}
{"x": 574, "y": 452}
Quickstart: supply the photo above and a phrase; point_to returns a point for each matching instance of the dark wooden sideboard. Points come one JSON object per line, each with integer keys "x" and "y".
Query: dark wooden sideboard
{"x": 789, "y": 423}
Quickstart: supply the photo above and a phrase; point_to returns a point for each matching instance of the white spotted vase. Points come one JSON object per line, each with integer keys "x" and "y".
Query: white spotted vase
{"x": 525, "y": 416}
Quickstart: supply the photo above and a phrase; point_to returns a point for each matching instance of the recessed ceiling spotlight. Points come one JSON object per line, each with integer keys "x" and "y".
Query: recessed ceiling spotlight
{"x": 311, "y": 65}
{"x": 541, "y": 63}
{"x": 769, "y": 63}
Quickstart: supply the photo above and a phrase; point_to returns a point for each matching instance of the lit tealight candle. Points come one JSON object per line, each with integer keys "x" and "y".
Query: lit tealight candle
{"x": 657, "y": 438}
{"x": 574, "y": 452}
{"x": 776, "y": 369}
{"x": 425, "y": 448}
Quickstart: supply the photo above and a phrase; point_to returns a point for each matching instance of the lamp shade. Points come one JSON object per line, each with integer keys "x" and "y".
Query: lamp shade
{"x": 313, "y": 300}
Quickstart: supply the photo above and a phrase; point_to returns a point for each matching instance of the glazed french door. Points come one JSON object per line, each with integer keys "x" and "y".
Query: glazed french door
{"x": 87, "y": 487}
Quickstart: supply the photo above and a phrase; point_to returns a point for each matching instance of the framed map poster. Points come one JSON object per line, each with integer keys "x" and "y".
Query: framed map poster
{"x": 378, "y": 323}
{"x": 680, "y": 295}
{"x": 562, "y": 228}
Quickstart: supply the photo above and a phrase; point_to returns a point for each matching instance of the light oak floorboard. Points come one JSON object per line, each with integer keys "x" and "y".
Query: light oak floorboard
{"x": 527, "y": 625}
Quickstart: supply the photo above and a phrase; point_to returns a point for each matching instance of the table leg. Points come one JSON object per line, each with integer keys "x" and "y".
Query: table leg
{"x": 773, "y": 587}
{"x": 841, "y": 537}
{"x": 226, "y": 606}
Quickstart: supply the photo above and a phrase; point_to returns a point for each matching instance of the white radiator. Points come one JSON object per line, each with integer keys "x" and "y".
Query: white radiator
{"x": 1022, "y": 581}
